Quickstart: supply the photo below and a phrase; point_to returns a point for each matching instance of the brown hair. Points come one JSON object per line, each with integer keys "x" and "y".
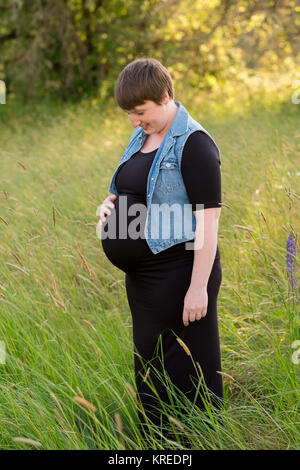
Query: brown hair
{"x": 143, "y": 79}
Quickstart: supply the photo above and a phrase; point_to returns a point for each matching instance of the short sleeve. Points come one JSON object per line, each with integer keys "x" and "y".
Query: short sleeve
{"x": 201, "y": 170}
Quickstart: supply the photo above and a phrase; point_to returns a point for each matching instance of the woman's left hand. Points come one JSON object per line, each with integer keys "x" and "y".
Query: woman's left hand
{"x": 195, "y": 304}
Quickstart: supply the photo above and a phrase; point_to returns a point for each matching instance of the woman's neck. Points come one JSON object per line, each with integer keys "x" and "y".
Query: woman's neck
{"x": 172, "y": 111}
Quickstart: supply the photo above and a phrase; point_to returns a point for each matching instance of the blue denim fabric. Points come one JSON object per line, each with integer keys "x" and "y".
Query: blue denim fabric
{"x": 166, "y": 192}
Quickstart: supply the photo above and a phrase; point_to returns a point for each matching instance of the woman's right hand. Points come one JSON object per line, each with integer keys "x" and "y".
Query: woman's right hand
{"x": 105, "y": 207}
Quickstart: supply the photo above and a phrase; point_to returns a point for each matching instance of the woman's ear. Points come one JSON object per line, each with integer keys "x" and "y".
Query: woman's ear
{"x": 166, "y": 98}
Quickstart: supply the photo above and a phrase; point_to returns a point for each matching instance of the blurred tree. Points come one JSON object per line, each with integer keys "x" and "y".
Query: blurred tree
{"x": 68, "y": 47}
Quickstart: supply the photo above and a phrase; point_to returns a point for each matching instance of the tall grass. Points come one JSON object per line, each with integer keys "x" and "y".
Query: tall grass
{"x": 68, "y": 378}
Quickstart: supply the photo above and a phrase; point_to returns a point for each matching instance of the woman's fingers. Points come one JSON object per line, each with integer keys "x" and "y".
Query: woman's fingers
{"x": 192, "y": 316}
{"x": 185, "y": 317}
{"x": 109, "y": 200}
{"x": 108, "y": 203}
{"x": 105, "y": 208}
{"x": 106, "y": 211}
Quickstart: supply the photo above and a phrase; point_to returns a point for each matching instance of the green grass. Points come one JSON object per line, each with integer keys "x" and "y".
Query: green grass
{"x": 65, "y": 319}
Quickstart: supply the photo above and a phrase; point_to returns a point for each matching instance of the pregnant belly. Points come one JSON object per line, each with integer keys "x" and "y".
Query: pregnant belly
{"x": 122, "y": 235}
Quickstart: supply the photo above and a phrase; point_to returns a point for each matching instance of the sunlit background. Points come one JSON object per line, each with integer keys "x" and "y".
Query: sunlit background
{"x": 67, "y": 379}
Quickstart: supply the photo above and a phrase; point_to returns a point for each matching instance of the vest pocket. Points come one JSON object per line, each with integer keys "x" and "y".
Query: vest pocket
{"x": 169, "y": 176}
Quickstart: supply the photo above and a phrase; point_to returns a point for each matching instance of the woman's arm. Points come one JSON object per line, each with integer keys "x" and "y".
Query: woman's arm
{"x": 206, "y": 238}
{"x": 205, "y": 245}
{"x": 200, "y": 167}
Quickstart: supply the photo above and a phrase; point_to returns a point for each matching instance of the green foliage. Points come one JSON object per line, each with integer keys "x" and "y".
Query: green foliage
{"x": 65, "y": 319}
{"x": 69, "y": 48}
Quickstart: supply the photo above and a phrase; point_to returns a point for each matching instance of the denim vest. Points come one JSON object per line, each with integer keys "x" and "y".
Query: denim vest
{"x": 166, "y": 192}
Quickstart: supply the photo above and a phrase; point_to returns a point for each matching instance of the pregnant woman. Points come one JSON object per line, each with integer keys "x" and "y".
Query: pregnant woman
{"x": 169, "y": 174}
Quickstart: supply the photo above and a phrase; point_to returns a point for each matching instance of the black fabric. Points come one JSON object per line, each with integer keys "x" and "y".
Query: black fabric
{"x": 155, "y": 293}
{"x": 200, "y": 168}
{"x": 156, "y": 285}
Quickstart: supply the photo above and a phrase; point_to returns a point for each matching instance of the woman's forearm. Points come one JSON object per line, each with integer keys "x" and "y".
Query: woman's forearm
{"x": 205, "y": 245}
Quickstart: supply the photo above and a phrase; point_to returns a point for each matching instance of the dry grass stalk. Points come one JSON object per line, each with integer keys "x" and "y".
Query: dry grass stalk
{"x": 146, "y": 375}
{"x": 6, "y": 194}
{"x": 84, "y": 262}
{"x": 132, "y": 392}
{"x": 225, "y": 375}
{"x": 175, "y": 444}
{"x": 262, "y": 214}
{"x": 80, "y": 392}
{"x": 3, "y": 220}
{"x": 18, "y": 259}
{"x": 200, "y": 370}
{"x": 22, "y": 165}
{"x": 119, "y": 425}
{"x": 177, "y": 423}
{"x": 85, "y": 403}
{"x": 118, "y": 422}
{"x": 21, "y": 363}
{"x": 53, "y": 282}
{"x": 59, "y": 417}
{"x": 121, "y": 400}
{"x": 9, "y": 422}
{"x": 30, "y": 442}
{"x": 58, "y": 303}
{"x": 236, "y": 292}
{"x": 56, "y": 401}
{"x": 96, "y": 351}
{"x": 184, "y": 346}
{"x": 242, "y": 227}
{"x": 53, "y": 215}
{"x": 17, "y": 267}
{"x": 89, "y": 323}
{"x": 55, "y": 289}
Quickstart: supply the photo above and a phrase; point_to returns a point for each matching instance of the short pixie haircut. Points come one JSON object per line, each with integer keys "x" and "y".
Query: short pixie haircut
{"x": 142, "y": 79}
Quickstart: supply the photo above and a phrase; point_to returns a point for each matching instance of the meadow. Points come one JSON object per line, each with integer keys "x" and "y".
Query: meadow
{"x": 67, "y": 381}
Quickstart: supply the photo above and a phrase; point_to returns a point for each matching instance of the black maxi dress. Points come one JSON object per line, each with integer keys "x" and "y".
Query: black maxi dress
{"x": 156, "y": 285}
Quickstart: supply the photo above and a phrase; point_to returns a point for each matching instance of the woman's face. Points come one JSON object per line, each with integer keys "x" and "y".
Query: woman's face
{"x": 150, "y": 116}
